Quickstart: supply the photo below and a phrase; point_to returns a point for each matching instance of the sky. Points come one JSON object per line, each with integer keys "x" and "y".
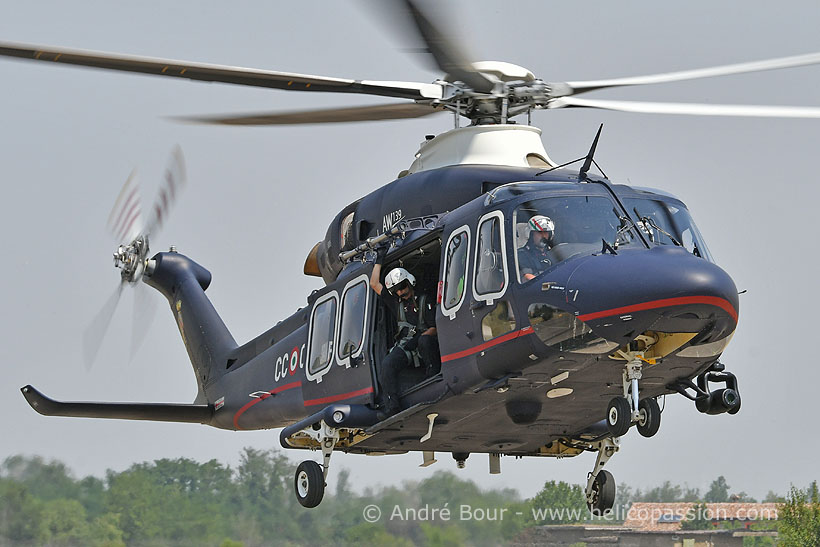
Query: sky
{"x": 258, "y": 199}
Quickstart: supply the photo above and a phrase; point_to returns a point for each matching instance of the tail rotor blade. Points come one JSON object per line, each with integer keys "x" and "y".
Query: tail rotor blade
{"x": 125, "y": 220}
{"x": 95, "y": 332}
{"x": 173, "y": 182}
{"x": 145, "y": 308}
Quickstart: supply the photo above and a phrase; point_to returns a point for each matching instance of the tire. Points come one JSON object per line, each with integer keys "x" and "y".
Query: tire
{"x": 603, "y": 494}
{"x": 309, "y": 484}
{"x": 618, "y": 416}
{"x": 650, "y": 417}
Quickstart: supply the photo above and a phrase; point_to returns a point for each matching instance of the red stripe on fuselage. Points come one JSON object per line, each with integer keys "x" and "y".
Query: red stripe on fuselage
{"x": 255, "y": 400}
{"x": 334, "y": 398}
{"x": 487, "y": 345}
{"x": 679, "y": 301}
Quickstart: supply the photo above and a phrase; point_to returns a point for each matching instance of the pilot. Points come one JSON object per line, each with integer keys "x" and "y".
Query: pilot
{"x": 417, "y": 337}
{"x": 535, "y": 256}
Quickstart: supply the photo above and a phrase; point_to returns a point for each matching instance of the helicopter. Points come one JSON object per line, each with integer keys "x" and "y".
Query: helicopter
{"x": 474, "y": 186}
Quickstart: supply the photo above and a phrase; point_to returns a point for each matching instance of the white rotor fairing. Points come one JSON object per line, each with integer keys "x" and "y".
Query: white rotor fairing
{"x": 508, "y": 145}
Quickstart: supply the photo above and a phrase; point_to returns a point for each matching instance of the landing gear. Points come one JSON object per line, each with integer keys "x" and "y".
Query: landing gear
{"x": 649, "y": 417}
{"x": 618, "y": 416}
{"x": 622, "y": 412}
{"x": 603, "y": 494}
{"x": 309, "y": 481}
{"x": 600, "y": 490}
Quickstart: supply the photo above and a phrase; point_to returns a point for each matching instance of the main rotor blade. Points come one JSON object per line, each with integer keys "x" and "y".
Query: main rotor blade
{"x": 95, "y": 332}
{"x": 219, "y": 73}
{"x": 448, "y": 55}
{"x": 692, "y": 109}
{"x": 329, "y": 115}
{"x": 725, "y": 70}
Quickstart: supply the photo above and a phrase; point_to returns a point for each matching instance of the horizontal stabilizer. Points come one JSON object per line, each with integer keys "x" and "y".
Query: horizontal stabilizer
{"x": 158, "y": 412}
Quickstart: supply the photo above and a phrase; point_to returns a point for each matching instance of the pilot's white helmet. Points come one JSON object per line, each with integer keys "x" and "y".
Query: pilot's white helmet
{"x": 397, "y": 278}
{"x": 540, "y": 223}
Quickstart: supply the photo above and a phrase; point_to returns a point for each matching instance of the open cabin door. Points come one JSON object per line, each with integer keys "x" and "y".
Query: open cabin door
{"x": 338, "y": 366}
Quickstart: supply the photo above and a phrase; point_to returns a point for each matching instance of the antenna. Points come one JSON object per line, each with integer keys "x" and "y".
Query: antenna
{"x": 589, "y": 159}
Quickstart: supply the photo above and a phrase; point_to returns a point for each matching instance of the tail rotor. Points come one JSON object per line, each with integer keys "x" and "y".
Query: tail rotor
{"x": 127, "y": 223}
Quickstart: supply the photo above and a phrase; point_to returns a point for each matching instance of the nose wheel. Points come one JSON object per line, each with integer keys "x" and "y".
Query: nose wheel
{"x": 630, "y": 409}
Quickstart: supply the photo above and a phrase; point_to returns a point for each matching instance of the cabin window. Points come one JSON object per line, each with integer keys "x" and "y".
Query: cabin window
{"x": 662, "y": 221}
{"x": 352, "y": 322}
{"x": 323, "y": 328}
{"x": 579, "y": 226}
{"x": 456, "y": 260}
{"x": 490, "y": 259}
{"x": 499, "y": 321}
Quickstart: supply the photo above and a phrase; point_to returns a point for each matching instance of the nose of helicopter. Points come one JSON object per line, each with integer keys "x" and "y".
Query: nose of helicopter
{"x": 664, "y": 289}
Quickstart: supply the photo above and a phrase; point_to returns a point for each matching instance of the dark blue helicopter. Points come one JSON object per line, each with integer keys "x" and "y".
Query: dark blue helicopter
{"x": 565, "y": 304}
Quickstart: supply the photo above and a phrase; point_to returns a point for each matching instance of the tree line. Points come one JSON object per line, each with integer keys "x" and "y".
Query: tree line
{"x": 181, "y": 502}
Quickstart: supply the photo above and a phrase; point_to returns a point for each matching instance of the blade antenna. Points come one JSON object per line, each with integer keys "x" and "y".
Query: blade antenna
{"x": 582, "y": 175}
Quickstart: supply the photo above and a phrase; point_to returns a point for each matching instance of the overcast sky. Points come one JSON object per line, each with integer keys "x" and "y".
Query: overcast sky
{"x": 259, "y": 198}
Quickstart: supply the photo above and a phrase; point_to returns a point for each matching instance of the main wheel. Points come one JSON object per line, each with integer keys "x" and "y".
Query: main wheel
{"x": 650, "y": 417}
{"x": 603, "y": 493}
{"x": 309, "y": 483}
{"x": 618, "y": 416}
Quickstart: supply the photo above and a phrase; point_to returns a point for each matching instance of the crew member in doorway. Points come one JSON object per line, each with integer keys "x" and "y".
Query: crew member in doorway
{"x": 416, "y": 339}
{"x": 535, "y": 257}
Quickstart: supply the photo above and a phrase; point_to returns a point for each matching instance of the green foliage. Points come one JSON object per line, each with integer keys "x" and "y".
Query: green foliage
{"x": 668, "y": 492}
{"x": 718, "y": 491}
{"x": 373, "y": 535}
{"x": 559, "y": 503}
{"x": 105, "y": 531}
{"x": 20, "y": 513}
{"x": 182, "y": 502}
{"x": 64, "y": 522}
{"x": 442, "y": 536}
{"x": 800, "y": 517}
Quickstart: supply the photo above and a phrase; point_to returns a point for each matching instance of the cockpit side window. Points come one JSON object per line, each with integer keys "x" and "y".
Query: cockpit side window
{"x": 551, "y": 230}
{"x": 490, "y": 258}
{"x": 456, "y": 259}
{"x": 667, "y": 223}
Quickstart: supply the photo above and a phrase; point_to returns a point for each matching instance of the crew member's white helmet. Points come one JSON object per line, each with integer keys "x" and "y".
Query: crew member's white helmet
{"x": 397, "y": 277}
{"x": 540, "y": 223}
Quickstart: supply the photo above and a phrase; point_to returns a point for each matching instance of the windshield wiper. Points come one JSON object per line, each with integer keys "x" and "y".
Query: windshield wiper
{"x": 626, "y": 225}
{"x": 648, "y": 221}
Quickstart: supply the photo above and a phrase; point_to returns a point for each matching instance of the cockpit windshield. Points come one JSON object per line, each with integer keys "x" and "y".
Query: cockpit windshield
{"x": 551, "y": 230}
{"x": 667, "y": 223}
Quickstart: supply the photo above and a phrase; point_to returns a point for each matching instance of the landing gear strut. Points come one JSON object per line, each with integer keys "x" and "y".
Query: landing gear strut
{"x": 310, "y": 478}
{"x": 622, "y": 412}
{"x": 600, "y": 490}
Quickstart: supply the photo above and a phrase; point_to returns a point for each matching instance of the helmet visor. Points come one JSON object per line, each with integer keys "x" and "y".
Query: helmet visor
{"x": 398, "y": 287}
